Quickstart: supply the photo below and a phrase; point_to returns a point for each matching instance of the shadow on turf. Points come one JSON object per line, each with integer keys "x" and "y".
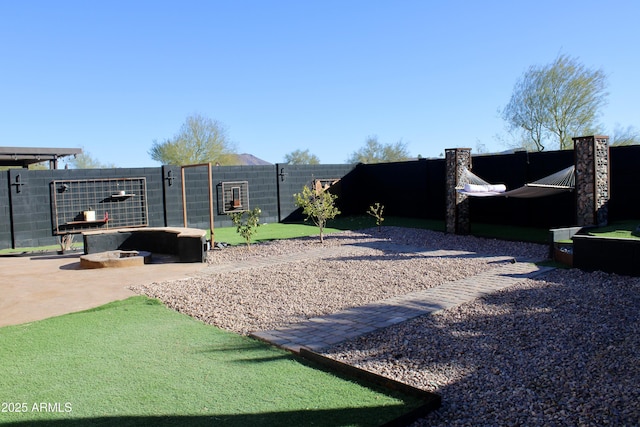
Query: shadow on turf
{"x": 329, "y": 417}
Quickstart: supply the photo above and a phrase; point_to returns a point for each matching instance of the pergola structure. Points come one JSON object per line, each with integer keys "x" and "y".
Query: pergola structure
{"x": 25, "y": 156}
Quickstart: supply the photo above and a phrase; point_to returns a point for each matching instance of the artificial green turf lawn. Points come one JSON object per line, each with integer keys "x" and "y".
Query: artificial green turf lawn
{"x": 135, "y": 361}
{"x": 277, "y": 231}
{"x": 77, "y": 247}
{"x": 271, "y": 231}
{"x": 290, "y": 230}
{"x": 619, "y": 230}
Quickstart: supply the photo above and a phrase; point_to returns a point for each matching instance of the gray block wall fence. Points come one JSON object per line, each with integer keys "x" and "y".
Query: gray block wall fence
{"x": 5, "y": 211}
{"x": 291, "y": 179}
{"x": 514, "y": 171}
{"x": 412, "y": 189}
{"x": 624, "y": 177}
{"x": 409, "y": 189}
{"x": 31, "y": 208}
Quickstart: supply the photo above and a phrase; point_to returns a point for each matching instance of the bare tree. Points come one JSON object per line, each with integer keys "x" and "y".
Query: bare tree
{"x": 299, "y": 157}
{"x": 376, "y": 152}
{"x": 556, "y": 102}
{"x": 84, "y": 160}
{"x": 628, "y": 136}
{"x": 199, "y": 140}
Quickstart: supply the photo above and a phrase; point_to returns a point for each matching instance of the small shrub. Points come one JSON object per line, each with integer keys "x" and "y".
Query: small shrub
{"x": 249, "y": 226}
{"x": 317, "y": 205}
{"x": 376, "y": 211}
{"x": 66, "y": 242}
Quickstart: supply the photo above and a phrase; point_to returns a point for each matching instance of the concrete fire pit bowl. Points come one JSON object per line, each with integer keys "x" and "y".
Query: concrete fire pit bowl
{"x": 115, "y": 259}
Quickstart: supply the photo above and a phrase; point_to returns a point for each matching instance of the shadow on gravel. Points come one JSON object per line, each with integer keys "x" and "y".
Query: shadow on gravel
{"x": 395, "y": 256}
{"x": 560, "y": 350}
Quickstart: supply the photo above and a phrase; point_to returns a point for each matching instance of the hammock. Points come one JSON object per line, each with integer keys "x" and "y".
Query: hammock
{"x": 558, "y": 182}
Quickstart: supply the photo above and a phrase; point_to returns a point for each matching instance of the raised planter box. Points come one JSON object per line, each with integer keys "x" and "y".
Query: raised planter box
{"x": 620, "y": 256}
{"x": 189, "y": 244}
{"x": 562, "y": 252}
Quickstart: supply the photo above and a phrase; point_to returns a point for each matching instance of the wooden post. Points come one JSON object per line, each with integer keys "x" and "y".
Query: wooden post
{"x": 211, "y": 204}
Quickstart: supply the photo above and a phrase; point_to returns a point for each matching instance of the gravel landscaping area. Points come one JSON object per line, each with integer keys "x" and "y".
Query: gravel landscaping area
{"x": 350, "y": 269}
{"x": 562, "y": 349}
{"x": 559, "y": 351}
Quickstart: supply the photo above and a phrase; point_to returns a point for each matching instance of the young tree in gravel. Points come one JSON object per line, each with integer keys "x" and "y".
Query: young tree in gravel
{"x": 317, "y": 205}
{"x": 247, "y": 228}
{"x": 377, "y": 211}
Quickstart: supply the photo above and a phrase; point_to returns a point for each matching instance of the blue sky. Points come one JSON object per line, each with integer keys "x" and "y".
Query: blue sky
{"x": 111, "y": 77}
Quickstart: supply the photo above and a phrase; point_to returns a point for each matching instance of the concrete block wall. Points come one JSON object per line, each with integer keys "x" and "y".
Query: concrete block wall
{"x": 624, "y": 179}
{"x": 407, "y": 189}
{"x": 412, "y": 189}
{"x": 32, "y": 207}
{"x": 263, "y": 192}
{"x": 5, "y": 212}
{"x": 172, "y": 193}
{"x": 155, "y": 193}
{"x": 292, "y": 178}
{"x": 196, "y": 185}
{"x": 514, "y": 171}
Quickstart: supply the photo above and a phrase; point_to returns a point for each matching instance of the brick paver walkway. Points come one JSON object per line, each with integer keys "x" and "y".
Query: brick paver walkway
{"x": 324, "y": 331}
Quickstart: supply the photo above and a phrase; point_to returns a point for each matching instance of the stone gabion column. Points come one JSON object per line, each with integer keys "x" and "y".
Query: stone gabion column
{"x": 457, "y": 215}
{"x": 592, "y": 179}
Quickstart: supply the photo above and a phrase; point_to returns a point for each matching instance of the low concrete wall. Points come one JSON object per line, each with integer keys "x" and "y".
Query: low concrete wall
{"x": 555, "y": 249}
{"x": 558, "y": 234}
{"x": 189, "y": 244}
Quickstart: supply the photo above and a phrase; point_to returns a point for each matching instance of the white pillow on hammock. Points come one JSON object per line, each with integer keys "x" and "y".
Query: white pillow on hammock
{"x": 477, "y": 188}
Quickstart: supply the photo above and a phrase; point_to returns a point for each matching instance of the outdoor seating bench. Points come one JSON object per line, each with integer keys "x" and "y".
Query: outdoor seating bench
{"x": 189, "y": 244}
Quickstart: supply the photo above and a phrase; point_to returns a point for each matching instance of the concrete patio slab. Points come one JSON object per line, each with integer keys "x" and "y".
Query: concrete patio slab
{"x": 40, "y": 286}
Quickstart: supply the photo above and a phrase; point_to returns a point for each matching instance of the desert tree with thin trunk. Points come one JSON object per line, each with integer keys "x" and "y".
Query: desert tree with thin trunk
{"x": 199, "y": 140}
{"x": 317, "y": 205}
{"x": 554, "y": 103}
